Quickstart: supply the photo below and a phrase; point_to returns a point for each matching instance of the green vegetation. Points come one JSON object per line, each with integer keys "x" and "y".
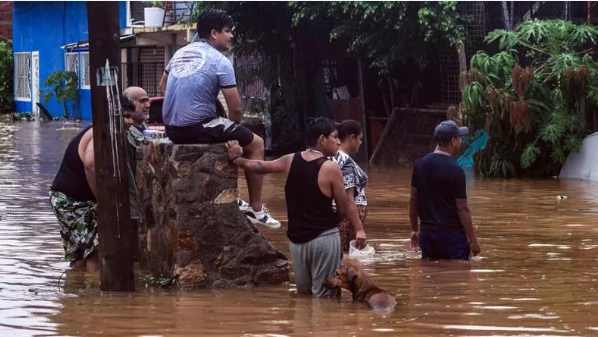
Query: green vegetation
{"x": 530, "y": 96}
{"x": 16, "y": 116}
{"x": 294, "y": 39}
{"x": 63, "y": 87}
{"x": 6, "y": 77}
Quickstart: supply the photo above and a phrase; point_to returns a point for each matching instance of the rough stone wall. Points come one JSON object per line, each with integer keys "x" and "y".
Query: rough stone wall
{"x": 192, "y": 230}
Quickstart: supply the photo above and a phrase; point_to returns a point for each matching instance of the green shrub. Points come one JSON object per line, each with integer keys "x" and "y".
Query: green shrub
{"x": 6, "y": 77}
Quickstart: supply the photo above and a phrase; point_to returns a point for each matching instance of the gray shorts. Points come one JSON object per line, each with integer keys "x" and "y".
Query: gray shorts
{"x": 315, "y": 261}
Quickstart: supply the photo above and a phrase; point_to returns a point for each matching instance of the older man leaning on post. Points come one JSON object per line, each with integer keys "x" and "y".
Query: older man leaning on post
{"x": 136, "y": 104}
{"x": 73, "y": 200}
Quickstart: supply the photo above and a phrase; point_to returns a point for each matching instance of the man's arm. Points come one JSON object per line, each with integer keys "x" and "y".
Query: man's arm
{"x": 353, "y": 213}
{"x": 413, "y": 218}
{"x": 90, "y": 168}
{"x": 163, "y": 82}
{"x": 413, "y": 210}
{"x": 335, "y": 177}
{"x": 280, "y": 165}
{"x": 465, "y": 218}
{"x": 233, "y": 102}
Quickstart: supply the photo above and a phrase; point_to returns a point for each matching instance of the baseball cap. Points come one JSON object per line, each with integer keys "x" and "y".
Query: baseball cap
{"x": 447, "y": 130}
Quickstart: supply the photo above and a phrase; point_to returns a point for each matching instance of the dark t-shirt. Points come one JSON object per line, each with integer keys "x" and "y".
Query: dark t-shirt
{"x": 439, "y": 180}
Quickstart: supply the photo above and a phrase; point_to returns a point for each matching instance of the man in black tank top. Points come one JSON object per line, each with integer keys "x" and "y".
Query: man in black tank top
{"x": 73, "y": 200}
{"x": 313, "y": 182}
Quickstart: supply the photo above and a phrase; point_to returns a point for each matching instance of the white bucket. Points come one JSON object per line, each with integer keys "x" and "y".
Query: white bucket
{"x": 153, "y": 17}
{"x": 366, "y": 252}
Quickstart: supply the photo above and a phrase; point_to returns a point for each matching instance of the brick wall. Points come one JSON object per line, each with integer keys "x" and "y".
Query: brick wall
{"x": 5, "y": 20}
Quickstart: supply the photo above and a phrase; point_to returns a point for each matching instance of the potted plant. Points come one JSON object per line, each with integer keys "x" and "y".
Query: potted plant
{"x": 154, "y": 15}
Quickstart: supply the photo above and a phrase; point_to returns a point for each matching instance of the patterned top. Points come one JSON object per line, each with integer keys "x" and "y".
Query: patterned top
{"x": 353, "y": 176}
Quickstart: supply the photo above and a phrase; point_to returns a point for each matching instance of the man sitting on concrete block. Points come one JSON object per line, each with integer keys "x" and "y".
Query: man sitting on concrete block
{"x": 191, "y": 83}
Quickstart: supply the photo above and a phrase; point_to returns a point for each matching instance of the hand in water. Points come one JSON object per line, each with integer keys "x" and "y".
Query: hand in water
{"x": 234, "y": 149}
{"x": 415, "y": 240}
{"x": 475, "y": 248}
{"x": 360, "y": 239}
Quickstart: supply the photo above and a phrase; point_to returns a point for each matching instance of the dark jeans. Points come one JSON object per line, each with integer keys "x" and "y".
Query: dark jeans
{"x": 439, "y": 245}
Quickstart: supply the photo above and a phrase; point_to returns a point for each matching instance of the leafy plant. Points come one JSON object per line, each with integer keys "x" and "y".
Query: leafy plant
{"x": 155, "y": 3}
{"x": 387, "y": 32}
{"x": 297, "y": 37}
{"x": 19, "y": 116}
{"x": 157, "y": 281}
{"x": 6, "y": 77}
{"x": 63, "y": 87}
{"x": 527, "y": 96}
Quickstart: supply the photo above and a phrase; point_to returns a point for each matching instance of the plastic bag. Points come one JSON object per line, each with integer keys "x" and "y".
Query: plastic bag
{"x": 365, "y": 252}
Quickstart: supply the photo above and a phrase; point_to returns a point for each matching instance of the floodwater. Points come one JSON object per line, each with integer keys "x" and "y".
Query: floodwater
{"x": 538, "y": 275}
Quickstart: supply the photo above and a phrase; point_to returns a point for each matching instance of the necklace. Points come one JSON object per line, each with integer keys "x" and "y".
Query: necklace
{"x": 316, "y": 151}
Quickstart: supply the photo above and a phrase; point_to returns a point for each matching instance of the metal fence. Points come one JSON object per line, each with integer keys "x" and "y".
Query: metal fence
{"x": 144, "y": 75}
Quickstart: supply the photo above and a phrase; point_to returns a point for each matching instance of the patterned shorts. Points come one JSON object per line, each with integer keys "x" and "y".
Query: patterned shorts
{"x": 347, "y": 230}
{"x": 78, "y": 225}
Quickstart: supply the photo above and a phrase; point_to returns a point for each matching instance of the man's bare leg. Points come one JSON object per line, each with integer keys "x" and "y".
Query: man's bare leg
{"x": 78, "y": 264}
{"x": 255, "y": 182}
{"x": 92, "y": 263}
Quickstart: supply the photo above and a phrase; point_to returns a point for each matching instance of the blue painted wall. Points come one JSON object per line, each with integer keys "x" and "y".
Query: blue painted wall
{"x": 45, "y": 27}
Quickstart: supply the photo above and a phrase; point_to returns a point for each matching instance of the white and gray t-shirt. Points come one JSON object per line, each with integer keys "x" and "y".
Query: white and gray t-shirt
{"x": 196, "y": 73}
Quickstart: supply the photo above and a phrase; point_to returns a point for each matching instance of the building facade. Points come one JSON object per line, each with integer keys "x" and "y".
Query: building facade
{"x": 53, "y": 36}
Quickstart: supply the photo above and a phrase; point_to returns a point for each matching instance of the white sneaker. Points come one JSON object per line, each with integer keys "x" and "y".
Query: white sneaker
{"x": 243, "y": 205}
{"x": 262, "y": 218}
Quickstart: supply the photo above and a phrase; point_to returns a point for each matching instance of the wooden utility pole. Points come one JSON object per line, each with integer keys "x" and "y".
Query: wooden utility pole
{"x": 117, "y": 233}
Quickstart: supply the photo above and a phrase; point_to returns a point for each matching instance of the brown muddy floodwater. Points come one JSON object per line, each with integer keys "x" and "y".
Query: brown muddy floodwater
{"x": 538, "y": 275}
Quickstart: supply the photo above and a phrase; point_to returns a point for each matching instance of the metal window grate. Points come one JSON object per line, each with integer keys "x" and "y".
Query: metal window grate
{"x": 85, "y": 76}
{"x": 71, "y": 63}
{"x": 23, "y": 75}
{"x": 449, "y": 59}
{"x": 144, "y": 75}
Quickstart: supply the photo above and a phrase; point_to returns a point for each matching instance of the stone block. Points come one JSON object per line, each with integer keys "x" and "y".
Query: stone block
{"x": 192, "y": 231}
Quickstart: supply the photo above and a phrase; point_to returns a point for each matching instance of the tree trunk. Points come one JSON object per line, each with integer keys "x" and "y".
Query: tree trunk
{"x": 391, "y": 93}
{"x": 66, "y": 111}
{"x": 362, "y": 105}
{"x": 506, "y": 15}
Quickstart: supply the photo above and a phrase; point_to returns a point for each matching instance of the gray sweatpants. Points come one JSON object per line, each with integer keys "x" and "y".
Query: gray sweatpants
{"x": 315, "y": 261}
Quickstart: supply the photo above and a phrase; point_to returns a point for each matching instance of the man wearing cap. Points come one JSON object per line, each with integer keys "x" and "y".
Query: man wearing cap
{"x": 439, "y": 201}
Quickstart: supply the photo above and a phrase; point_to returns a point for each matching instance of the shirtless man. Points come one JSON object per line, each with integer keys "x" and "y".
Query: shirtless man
{"x": 73, "y": 199}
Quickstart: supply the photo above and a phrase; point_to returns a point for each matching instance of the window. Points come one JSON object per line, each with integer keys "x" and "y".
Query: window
{"x": 71, "y": 63}
{"x": 23, "y": 76}
{"x": 85, "y": 75}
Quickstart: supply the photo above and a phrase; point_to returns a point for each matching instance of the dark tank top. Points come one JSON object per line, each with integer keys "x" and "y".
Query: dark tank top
{"x": 309, "y": 210}
{"x": 70, "y": 178}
